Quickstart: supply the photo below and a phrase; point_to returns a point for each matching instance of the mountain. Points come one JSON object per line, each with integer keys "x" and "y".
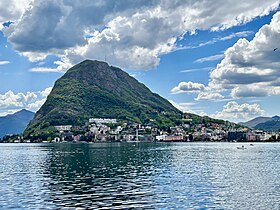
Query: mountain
{"x": 15, "y": 123}
{"x": 252, "y": 123}
{"x": 95, "y": 89}
{"x": 264, "y": 123}
{"x": 271, "y": 125}
{"x": 275, "y": 118}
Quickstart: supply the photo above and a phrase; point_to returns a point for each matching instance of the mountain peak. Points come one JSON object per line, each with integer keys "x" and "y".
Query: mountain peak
{"x": 94, "y": 89}
{"x": 100, "y": 74}
{"x": 88, "y": 61}
{"x": 264, "y": 123}
{"x": 92, "y": 63}
{"x": 23, "y": 110}
{"x": 15, "y": 123}
{"x": 253, "y": 122}
{"x": 276, "y": 117}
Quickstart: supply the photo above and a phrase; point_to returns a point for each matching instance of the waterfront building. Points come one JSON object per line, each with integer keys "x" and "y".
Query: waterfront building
{"x": 160, "y": 137}
{"x": 237, "y": 136}
{"x": 174, "y": 138}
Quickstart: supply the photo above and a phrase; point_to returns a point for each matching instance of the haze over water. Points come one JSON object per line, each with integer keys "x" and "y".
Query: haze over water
{"x": 146, "y": 175}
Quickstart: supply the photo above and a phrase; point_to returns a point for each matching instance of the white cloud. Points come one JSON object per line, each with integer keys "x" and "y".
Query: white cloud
{"x": 188, "y": 108}
{"x": 35, "y": 106}
{"x": 12, "y": 10}
{"x": 136, "y": 33}
{"x": 61, "y": 66}
{"x": 234, "y": 35}
{"x": 240, "y": 34}
{"x": 251, "y": 68}
{"x": 188, "y": 87}
{"x": 209, "y": 58}
{"x": 4, "y": 62}
{"x": 46, "y": 92}
{"x": 11, "y": 102}
{"x": 249, "y": 91}
{"x": 207, "y": 96}
{"x": 198, "y": 69}
{"x": 184, "y": 107}
{"x": 43, "y": 69}
{"x": 233, "y": 111}
{"x": 7, "y": 112}
{"x": 129, "y": 42}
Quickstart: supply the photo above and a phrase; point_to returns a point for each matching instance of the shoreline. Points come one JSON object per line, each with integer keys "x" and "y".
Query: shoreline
{"x": 121, "y": 142}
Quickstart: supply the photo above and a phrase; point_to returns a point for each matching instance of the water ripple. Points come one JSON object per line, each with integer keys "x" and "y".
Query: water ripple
{"x": 147, "y": 176}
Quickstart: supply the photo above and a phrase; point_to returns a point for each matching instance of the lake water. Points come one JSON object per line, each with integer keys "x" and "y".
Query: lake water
{"x": 140, "y": 175}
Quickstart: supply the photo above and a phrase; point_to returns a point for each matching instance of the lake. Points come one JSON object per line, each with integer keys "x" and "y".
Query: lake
{"x": 140, "y": 175}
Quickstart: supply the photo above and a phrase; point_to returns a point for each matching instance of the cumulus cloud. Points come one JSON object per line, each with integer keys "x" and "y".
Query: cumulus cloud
{"x": 235, "y": 112}
{"x": 11, "y": 102}
{"x": 207, "y": 96}
{"x": 36, "y": 105}
{"x": 188, "y": 87}
{"x": 46, "y": 92}
{"x": 132, "y": 34}
{"x": 12, "y": 10}
{"x": 249, "y": 91}
{"x": 251, "y": 68}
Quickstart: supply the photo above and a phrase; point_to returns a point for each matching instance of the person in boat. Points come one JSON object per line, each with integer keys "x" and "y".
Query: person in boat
{"x": 242, "y": 147}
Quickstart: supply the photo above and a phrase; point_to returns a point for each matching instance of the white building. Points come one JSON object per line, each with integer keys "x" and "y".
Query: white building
{"x": 63, "y": 127}
{"x": 117, "y": 130}
{"x": 94, "y": 129}
{"x": 160, "y": 137}
{"x": 102, "y": 120}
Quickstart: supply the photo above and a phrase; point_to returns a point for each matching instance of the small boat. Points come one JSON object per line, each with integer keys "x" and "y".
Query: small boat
{"x": 242, "y": 147}
{"x": 251, "y": 144}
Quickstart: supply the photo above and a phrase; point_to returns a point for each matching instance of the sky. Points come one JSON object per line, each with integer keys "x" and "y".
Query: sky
{"x": 216, "y": 58}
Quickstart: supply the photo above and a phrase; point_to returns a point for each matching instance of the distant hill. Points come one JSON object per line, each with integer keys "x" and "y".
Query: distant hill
{"x": 275, "y": 118}
{"x": 95, "y": 89}
{"x": 264, "y": 123}
{"x": 252, "y": 123}
{"x": 197, "y": 119}
{"x": 269, "y": 126}
{"x": 15, "y": 123}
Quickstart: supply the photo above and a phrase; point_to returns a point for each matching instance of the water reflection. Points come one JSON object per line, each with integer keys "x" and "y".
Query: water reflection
{"x": 132, "y": 175}
{"x": 103, "y": 175}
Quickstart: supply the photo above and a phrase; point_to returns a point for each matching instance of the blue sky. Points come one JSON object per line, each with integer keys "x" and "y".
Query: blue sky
{"x": 204, "y": 61}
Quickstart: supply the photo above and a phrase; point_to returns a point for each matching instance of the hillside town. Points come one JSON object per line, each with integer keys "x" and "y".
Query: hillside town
{"x": 110, "y": 130}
